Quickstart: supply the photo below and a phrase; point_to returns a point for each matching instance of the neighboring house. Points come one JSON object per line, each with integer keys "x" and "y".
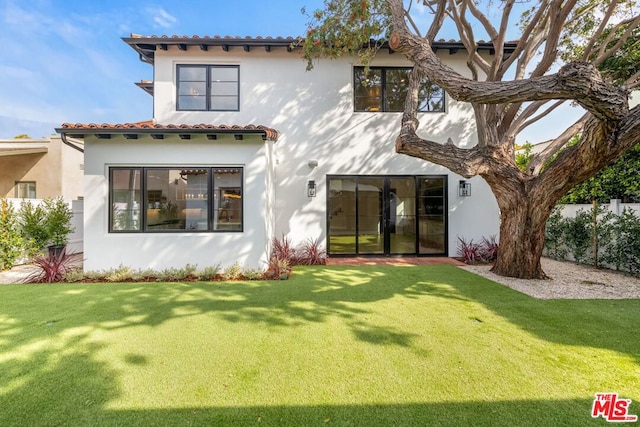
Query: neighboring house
{"x": 245, "y": 145}
{"x": 40, "y": 168}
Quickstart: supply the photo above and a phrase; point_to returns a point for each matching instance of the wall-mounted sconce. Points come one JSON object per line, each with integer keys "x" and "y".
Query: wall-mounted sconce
{"x": 464, "y": 188}
{"x": 313, "y": 163}
{"x": 311, "y": 189}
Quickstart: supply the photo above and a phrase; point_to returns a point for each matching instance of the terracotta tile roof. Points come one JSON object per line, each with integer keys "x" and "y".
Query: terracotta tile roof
{"x": 148, "y": 127}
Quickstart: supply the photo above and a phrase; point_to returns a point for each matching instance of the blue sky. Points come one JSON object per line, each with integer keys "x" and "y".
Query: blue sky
{"x": 64, "y": 60}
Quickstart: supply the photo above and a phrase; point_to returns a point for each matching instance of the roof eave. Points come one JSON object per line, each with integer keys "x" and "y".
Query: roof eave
{"x": 267, "y": 135}
{"x": 147, "y": 46}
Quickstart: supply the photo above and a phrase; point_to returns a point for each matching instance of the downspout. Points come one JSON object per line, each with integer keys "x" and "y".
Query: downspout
{"x": 63, "y": 136}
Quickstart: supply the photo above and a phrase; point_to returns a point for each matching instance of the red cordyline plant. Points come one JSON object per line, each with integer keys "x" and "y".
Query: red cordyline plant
{"x": 283, "y": 249}
{"x": 53, "y": 267}
{"x": 310, "y": 252}
{"x": 473, "y": 253}
{"x": 489, "y": 248}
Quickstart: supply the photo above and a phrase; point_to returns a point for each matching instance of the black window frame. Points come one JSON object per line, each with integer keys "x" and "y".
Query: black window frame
{"x": 419, "y": 212}
{"x": 143, "y": 206}
{"x": 383, "y": 107}
{"x": 208, "y": 68}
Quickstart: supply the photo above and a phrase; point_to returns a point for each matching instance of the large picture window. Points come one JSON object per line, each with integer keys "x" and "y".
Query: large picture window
{"x": 208, "y": 87}
{"x": 385, "y": 89}
{"x": 150, "y": 199}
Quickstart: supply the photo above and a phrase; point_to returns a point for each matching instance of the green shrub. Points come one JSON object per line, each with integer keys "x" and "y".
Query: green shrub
{"x": 120, "y": 274}
{"x": 554, "y": 239}
{"x": 58, "y": 221}
{"x": 11, "y": 241}
{"x": 579, "y": 235}
{"x": 622, "y": 249}
{"x": 233, "y": 272}
{"x": 208, "y": 273}
{"x": 252, "y": 274}
{"x": 33, "y": 227}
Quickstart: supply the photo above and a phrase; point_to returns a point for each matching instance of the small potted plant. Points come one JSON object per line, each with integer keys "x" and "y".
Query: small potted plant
{"x": 58, "y": 224}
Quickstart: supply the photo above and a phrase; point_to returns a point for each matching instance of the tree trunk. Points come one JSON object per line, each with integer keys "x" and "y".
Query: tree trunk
{"x": 522, "y": 227}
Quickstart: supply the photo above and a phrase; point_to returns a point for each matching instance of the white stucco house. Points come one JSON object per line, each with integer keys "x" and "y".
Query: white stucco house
{"x": 245, "y": 145}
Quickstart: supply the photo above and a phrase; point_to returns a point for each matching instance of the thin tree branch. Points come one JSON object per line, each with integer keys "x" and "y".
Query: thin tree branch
{"x": 468, "y": 39}
{"x": 524, "y": 42}
{"x": 539, "y": 159}
{"x": 603, "y": 24}
{"x": 524, "y": 124}
{"x": 605, "y": 53}
{"x": 439, "y": 15}
{"x": 559, "y": 11}
{"x": 497, "y": 36}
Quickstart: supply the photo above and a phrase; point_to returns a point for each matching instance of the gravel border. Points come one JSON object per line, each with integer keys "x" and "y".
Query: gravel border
{"x": 569, "y": 281}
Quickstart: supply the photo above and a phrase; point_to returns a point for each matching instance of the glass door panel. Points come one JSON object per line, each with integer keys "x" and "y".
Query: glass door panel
{"x": 342, "y": 216}
{"x": 431, "y": 215}
{"x": 370, "y": 215}
{"x": 386, "y": 215}
{"x": 402, "y": 215}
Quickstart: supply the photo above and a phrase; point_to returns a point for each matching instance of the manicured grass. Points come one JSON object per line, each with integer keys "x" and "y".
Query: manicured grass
{"x": 366, "y": 346}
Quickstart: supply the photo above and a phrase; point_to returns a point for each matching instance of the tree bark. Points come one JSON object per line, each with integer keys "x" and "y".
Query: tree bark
{"x": 522, "y": 228}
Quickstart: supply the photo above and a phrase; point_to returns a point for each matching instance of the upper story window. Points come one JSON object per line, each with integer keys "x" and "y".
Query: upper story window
{"x": 385, "y": 89}
{"x": 208, "y": 88}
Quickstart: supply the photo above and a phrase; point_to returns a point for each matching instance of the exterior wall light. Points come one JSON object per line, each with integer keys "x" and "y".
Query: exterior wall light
{"x": 311, "y": 189}
{"x": 313, "y": 163}
{"x": 464, "y": 188}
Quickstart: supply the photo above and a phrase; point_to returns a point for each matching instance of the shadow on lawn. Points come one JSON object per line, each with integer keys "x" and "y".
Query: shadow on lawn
{"x": 63, "y": 382}
{"x": 607, "y": 324}
{"x": 314, "y": 294}
{"x": 75, "y": 390}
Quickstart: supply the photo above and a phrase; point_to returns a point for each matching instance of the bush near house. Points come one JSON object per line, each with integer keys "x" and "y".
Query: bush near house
{"x": 596, "y": 237}
{"x": 11, "y": 242}
{"x": 31, "y": 228}
{"x": 32, "y": 219}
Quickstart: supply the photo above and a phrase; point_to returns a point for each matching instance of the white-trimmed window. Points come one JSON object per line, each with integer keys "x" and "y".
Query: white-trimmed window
{"x": 25, "y": 189}
{"x": 208, "y": 87}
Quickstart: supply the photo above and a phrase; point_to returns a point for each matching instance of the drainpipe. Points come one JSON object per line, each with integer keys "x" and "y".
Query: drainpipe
{"x": 63, "y": 136}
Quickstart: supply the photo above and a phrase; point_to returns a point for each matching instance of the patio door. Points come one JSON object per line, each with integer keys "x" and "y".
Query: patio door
{"x": 384, "y": 216}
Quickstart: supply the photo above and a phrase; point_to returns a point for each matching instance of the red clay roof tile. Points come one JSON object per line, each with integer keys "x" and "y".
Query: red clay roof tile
{"x": 267, "y": 132}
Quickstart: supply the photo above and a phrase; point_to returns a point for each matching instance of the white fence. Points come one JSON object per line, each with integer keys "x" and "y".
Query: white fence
{"x": 614, "y": 206}
{"x": 76, "y": 238}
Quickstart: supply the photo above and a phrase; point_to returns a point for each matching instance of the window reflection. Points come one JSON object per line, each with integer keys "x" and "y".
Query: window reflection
{"x": 385, "y": 89}
{"x": 176, "y": 199}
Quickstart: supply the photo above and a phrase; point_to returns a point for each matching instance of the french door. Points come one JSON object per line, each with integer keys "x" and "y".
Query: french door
{"x": 386, "y": 215}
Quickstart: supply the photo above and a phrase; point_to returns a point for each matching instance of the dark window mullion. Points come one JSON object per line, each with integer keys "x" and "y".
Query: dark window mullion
{"x": 145, "y": 200}
{"x": 210, "y": 195}
{"x": 208, "y": 87}
{"x": 383, "y": 89}
{"x": 357, "y": 224}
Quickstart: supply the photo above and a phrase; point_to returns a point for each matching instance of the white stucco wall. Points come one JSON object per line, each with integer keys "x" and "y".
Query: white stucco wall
{"x": 104, "y": 250}
{"x": 314, "y": 113}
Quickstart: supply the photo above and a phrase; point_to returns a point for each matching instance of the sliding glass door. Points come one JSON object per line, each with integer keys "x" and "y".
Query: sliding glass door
{"x": 386, "y": 215}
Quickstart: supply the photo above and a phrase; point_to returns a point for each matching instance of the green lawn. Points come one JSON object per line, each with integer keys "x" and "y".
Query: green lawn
{"x": 366, "y": 346}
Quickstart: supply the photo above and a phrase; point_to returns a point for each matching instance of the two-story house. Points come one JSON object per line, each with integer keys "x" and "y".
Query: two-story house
{"x": 246, "y": 145}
